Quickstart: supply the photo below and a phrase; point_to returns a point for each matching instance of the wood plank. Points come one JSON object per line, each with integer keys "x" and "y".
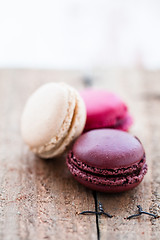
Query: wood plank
{"x": 40, "y": 200}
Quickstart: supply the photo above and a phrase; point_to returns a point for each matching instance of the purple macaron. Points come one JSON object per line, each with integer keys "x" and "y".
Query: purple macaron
{"x": 107, "y": 160}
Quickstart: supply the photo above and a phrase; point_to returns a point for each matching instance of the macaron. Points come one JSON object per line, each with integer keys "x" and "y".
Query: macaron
{"x": 105, "y": 110}
{"x": 53, "y": 117}
{"x": 107, "y": 160}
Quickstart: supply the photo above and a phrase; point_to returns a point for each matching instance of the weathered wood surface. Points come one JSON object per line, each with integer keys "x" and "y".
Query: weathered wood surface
{"x": 40, "y": 200}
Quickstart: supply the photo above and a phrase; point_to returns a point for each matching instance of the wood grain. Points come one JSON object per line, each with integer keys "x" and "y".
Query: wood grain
{"x": 40, "y": 200}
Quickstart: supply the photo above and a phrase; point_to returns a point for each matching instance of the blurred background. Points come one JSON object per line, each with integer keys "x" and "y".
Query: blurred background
{"x": 80, "y": 34}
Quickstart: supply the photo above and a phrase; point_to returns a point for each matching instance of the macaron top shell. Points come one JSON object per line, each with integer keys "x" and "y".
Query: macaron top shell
{"x": 98, "y": 101}
{"x": 108, "y": 149}
{"x": 105, "y": 110}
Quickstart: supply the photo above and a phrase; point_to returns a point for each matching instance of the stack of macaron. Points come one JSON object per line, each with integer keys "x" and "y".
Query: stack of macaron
{"x": 92, "y": 125}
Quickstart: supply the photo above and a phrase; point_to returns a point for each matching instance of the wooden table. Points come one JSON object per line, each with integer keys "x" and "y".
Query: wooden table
{"x": 39, "y": 199}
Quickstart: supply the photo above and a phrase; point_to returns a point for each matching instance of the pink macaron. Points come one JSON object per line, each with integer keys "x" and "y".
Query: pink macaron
{"x": 105, "y": 110}
{"x": 107, "y": 160}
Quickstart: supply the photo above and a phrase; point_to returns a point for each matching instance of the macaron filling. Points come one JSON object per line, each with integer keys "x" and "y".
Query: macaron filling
{"x": 107, "y": 177}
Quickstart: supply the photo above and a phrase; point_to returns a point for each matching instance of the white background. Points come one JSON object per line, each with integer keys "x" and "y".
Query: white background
{"x": 79, "y": 33}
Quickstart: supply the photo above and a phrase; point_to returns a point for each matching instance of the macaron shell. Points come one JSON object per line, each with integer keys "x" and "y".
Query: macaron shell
{"x": 108, "y": 149}
{"x": 76, "y": 128}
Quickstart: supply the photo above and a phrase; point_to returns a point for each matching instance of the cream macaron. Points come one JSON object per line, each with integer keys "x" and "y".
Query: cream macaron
{"x": 53, "y": 117}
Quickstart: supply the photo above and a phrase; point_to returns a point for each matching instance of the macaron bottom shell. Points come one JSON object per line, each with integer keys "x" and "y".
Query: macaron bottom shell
{"x": 107, "y": 188}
